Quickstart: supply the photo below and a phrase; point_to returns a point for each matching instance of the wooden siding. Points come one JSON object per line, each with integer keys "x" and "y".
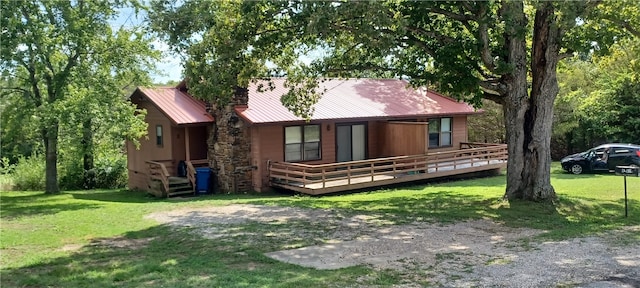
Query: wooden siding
{"x": 459, "y": 134}
{"x": 179, "y": 147}
{"x": 268, "y": 145}
{"x": 138, "y": 170}
{"x": 173, "y": 148}
{"x": 403, "y": 138}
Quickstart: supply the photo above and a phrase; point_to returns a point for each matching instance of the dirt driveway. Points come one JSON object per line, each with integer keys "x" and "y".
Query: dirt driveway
{"x": 478, "y": 253}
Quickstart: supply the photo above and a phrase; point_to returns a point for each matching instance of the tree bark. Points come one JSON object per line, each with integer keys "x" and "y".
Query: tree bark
{"x": 50, "y": 137}
{"x": 530, "y": 116}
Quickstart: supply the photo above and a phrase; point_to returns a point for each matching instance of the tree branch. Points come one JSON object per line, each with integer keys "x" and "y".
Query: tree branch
{"x": 483, "y": 31}
{"x": 493, "y": 97}
{"x": 452, "y": 15}
{"x": 492, "y": 88}
{"x": 626, "y": 25}
{"x": 441, "y": 38}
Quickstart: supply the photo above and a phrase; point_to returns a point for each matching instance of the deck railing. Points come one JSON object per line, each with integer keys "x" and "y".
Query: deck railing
{"x": 347, "y": 173}
{"x": 158, "y": 171}
{"x": 191, "y": 170}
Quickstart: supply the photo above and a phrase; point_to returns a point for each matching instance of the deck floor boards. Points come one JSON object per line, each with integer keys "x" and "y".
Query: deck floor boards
{"x": 443, "y": 169}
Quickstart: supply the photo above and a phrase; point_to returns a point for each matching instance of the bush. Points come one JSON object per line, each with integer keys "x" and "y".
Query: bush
{"x": 111, "y": 171}
{"x": 28, "y": 173}
{"x": 71, "y": 174}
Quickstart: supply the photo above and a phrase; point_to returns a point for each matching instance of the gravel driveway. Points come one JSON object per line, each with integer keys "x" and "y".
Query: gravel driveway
{"x": 478, "y": 253}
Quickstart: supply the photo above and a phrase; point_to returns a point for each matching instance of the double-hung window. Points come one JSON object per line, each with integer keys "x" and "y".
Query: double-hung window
{"x": 302, "y": 143}
{"x": 440, "y": 132}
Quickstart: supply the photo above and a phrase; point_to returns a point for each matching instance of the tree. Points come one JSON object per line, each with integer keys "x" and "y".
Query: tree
{"x": 57, "y": 52}
{"x": 597, "y": 102}
{"x": 487, "y": 127}
{"x": 505, "y": 51}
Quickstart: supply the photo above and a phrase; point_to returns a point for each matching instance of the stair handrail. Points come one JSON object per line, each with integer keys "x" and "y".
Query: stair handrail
{"x": 191, "y": 174}
{"x": 158, "y": 171}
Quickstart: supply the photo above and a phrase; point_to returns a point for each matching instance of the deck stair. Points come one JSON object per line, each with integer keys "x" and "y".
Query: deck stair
{"x": 162, "y": 184}
{"x": 179, "y": 186}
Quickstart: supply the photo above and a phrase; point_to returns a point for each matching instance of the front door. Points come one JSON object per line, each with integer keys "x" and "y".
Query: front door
{"x": 350, "y": 142}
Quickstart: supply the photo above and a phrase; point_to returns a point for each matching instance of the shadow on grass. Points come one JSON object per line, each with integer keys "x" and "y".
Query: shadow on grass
{"x": 442, "y": 206}
{"x": 570, "y": 217}
{"x": 162, "y": 257}
{"x": 19, "y": 204}
{"x": 122, "y": 195}
{"x": 569, "y": 176}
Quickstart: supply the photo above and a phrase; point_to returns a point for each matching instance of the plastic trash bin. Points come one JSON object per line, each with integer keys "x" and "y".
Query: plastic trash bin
{"x": 202, "y": 180}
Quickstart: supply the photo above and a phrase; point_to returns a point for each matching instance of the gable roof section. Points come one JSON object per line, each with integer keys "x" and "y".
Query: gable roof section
{"x": 354, "y": 99}
{"x": 178, "y": 106}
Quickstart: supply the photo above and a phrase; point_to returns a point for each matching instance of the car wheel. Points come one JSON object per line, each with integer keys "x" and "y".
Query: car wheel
{"x": 576, "y": 169}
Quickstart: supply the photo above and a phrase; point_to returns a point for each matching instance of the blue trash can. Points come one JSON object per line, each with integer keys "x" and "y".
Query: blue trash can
{"x": 202, "y": 180}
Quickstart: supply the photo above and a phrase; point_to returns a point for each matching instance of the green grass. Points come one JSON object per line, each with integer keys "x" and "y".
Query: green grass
{"x": 58, "y": 240}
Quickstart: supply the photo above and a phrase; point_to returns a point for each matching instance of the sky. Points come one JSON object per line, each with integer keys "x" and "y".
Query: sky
{"x": 170, "y": 66}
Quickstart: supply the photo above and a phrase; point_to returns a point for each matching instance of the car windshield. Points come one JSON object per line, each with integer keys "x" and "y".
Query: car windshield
{"x": 588, "y": 154}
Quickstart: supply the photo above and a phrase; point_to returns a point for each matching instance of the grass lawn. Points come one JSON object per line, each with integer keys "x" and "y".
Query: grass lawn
{"x": 58, "y": 241}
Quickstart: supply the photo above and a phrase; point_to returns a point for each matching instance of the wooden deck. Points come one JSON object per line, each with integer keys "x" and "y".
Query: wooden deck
{"x": 335, "y": 177}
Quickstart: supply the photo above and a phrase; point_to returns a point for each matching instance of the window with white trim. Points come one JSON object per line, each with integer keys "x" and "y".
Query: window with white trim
{"x": 440, "y": 131}
{"x": 302, "y": 143}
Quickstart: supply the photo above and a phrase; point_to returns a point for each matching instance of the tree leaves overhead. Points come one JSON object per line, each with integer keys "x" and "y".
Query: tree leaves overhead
{"x": 70, "y": 66}
{"x": 226, "y": 44}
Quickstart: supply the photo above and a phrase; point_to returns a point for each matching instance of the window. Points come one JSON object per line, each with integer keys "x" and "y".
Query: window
{"x": 301, "y": 143}
{"x": 159, "y": 135}
{"x": 440, "y": 132}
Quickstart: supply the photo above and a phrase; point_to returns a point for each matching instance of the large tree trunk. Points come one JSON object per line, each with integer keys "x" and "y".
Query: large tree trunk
{"x": 529, "y": 117}
{"x": 50, "y": 137}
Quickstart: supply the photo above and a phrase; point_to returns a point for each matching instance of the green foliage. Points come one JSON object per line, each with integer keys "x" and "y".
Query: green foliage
{"x": 5, "y": 166}
{"x": 598, "y": 100}
{"x": 111, "y": 171}
{"x": 29, "y": 173}
{"x": 487, "y": 127}
{"x": 65, "y": 67}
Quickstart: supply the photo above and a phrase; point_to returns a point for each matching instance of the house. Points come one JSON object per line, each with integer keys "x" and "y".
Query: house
{"x": 363, "y": 133}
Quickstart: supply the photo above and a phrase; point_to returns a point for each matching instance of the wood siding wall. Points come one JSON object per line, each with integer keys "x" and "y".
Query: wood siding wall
{"x": 170, "y": 153}
{"x": 459, "y": 131}
{"x": 138, "y": 174}
{"x": 403, "y": 138}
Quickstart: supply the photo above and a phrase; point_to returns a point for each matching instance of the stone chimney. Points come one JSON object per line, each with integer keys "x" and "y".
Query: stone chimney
{"x": 230, "y": 146}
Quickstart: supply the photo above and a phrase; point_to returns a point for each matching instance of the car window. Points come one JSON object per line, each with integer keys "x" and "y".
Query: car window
{"x": 620, "y": 151}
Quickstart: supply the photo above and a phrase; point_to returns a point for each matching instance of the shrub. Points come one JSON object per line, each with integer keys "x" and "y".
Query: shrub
{"x": 71, "y": 174}
{"x": 111, "y": 171}
{"x": 28, "y": 173}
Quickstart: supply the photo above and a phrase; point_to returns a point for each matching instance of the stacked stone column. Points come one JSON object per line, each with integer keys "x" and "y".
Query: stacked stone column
{"x": 230, "y": 147}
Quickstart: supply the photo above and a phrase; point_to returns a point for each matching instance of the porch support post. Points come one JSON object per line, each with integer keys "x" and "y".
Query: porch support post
{"x": 186, "y": 144}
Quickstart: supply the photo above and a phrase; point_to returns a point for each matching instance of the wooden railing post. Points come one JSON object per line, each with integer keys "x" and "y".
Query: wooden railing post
{"x": 324, "y": 178}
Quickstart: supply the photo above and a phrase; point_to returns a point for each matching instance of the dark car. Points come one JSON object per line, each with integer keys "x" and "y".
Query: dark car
{"x": 603, "y": 158}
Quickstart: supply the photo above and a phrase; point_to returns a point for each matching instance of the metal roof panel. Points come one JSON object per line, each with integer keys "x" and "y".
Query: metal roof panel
{"x": 180, "y": 107}
{"x": 353, "y": 98}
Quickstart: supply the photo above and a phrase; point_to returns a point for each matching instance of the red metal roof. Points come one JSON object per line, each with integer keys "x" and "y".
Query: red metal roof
{"x": 353, "y": 99}
{"x": 180, "y": 107}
